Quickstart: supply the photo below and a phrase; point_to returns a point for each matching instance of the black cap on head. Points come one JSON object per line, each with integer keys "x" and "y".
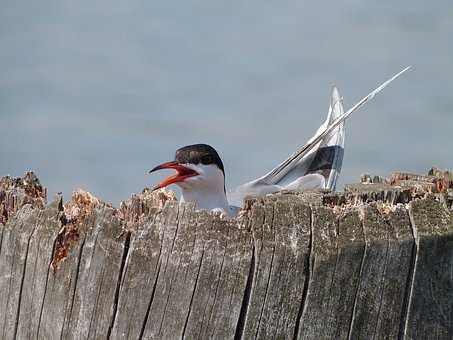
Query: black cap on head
{"x": 199, "y": 153}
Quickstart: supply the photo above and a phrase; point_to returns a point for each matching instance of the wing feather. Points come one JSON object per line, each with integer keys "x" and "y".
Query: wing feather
{"x": 289, "y": 172}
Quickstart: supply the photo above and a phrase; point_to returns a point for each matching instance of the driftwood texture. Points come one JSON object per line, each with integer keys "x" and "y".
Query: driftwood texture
{"x": 373, "y": 263}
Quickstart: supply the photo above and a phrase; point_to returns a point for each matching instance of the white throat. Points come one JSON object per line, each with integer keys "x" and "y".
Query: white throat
{"x": 207, "y": 190}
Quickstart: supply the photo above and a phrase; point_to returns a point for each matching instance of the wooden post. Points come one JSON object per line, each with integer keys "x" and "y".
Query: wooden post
{"x": 372, "y": 263}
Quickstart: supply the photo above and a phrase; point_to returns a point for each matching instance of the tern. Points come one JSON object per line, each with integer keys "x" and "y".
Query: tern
{"x": 200, "y": 172}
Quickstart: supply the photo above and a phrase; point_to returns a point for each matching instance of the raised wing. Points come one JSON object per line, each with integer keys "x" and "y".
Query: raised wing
{"x": 324, "y": 160}
{"x": 302, "y": 169}
{"x": 281, "y": 170}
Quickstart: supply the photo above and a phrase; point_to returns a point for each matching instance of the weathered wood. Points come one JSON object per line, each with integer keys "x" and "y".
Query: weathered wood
{"x": 149, "y": 248}
{"x": 216, "y": 302}
{"x": 59, "y": 294}
{"x": 93, "y": 305}
{"x": 37, "y": 270}
{"x": 311, "y": 265}
{"x": 372, "y": 276}
{"x": 18, "y": 192}
{"x": 177, "y": 277}
{"x": 323, "y": 256}
{"x": 372, "y": 192}
{"x": 13, "y": 257}
{"x": 430, "y": 313}
{"x": 351, "y": 247}
{"x": 397, "y": 274}
{"x": 282, "y": 245}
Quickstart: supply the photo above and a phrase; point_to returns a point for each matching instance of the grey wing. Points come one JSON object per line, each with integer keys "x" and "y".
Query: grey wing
{"x": 326, "y": 157}
{"x": 322, "y": 163}
{"x": 318, "y": 163}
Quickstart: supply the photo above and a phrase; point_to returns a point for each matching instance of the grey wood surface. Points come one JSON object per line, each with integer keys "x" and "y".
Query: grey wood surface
{"x": 372, "y": 263}
{"x": 430, "y": 313}
{"x": 37, "y": 271}
{"x": 316, "y": 319}
{"x": 13, "y": 257}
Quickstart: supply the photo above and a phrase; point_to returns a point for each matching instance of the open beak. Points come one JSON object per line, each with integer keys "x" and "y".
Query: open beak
{"x": 182, "y": 173}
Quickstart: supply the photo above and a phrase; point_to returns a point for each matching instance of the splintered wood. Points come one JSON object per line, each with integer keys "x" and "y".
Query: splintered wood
{"x": 17, "y": 192}
{"x": 76, "y": 211}
{"x": 147, "y": 203}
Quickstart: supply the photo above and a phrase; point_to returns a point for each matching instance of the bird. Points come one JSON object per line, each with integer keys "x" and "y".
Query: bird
{"x": 200, "y": 172}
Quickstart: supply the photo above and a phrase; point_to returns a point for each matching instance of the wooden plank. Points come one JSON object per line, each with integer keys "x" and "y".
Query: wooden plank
{"x": 60, "y": 287}
{"x": 316, "y": 311}
{"x": 177, "y": 278}
{"x": 261, "y": 215}
{"x": 232, "y": 287}
{"x": 216, "y": 303}
{"x": 37, "y": 270}
{"x": 13, "y": 257}
{"x": 282, "y": 243}
{"x": 264, "y": 243}
{"x": 369, "y": 293}
{"x": 292, "y": 225}
{"x": 397, "y": 273}
{"x": 210, "y": 273}
{"x": 149, "y": 248}
{"x": 430, "y": 311}
{"x": 100, "y": 263}
{"x": 351, "y": 247}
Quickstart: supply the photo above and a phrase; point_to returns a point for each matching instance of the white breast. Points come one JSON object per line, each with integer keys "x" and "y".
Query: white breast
{"x": 207, "y": 190}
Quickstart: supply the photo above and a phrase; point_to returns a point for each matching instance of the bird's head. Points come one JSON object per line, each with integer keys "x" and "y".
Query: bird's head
{"x": 198, "y": 167}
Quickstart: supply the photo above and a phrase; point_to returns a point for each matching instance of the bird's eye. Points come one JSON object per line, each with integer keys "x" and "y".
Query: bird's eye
{"x": 207, "y": 159}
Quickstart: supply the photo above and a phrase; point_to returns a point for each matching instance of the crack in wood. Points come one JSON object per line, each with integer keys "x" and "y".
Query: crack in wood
{"x": 270, "y": 273}
{"x": 22, "y": 284}
{"x": 381, "y": 285}
{"x": 66, "y": 315}
{"x": 35, "y": 267}
{"x": 2, "y": 227}
{"x": 142, "y": 331}
{"x": 250, "y": 282}
{"x": 407, "y": 295}
{"x": 16, "y": 240}
{"x": 246, "y": 298}
{"x": 45, "y": 285}
{"x": 9, "y": 290}
{"x": 121, "y": 276}
{"x": 308, "y": 273}
{"x": 135, "y": 237}
{"x": 157, "y": 271}
{"x": 410, "y": 278}
{"x": 277, "y": 283}
{"x": 193, "y": 294}
{"x": 351, "y": 323}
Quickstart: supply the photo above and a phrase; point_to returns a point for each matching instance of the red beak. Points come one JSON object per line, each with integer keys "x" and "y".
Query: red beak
{"x": 182, "y": 173}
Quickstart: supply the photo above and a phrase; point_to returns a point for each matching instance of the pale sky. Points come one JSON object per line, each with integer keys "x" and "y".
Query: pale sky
{"x": 95, "y": 93}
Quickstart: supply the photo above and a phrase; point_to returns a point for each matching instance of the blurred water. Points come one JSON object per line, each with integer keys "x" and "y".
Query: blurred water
{"x": 95, "y": 93}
